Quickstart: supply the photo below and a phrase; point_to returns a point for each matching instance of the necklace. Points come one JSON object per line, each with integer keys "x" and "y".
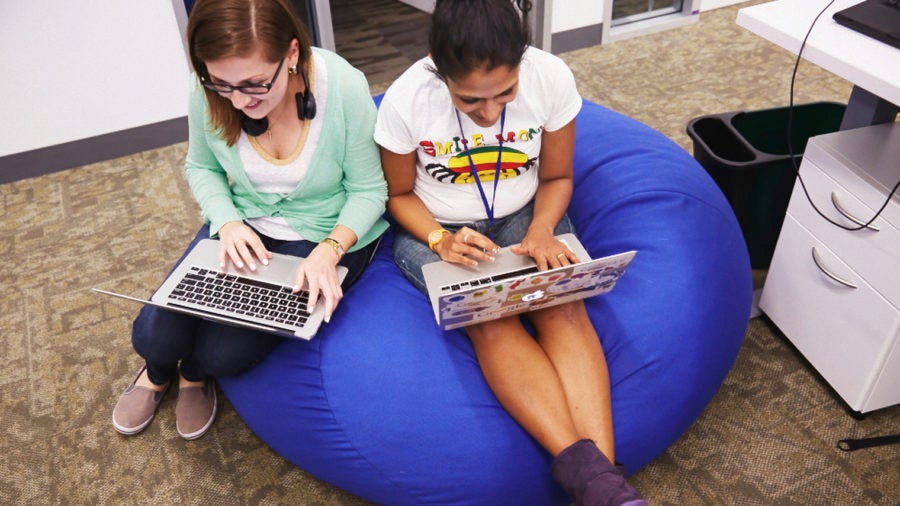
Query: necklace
{"x": 301, "y": 143}
{"x": 488, "y": 208}
{"x": 305, "y": 125}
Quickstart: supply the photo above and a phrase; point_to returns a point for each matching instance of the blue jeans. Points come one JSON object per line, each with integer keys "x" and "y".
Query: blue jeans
{"x": 204, "y": 348}
{"x": 411, "y": 254}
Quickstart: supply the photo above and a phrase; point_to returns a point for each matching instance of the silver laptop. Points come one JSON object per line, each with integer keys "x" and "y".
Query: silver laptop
{"x": 260, "y": 300}
{"x": 512, "y": 284}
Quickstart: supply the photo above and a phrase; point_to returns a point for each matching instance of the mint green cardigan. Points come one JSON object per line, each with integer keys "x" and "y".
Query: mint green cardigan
{"x": 343, "y": 186}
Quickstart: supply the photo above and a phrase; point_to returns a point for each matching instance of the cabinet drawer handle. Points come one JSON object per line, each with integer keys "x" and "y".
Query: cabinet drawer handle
{"x": 818, "y": 261}
{"x": 845, "y": 214}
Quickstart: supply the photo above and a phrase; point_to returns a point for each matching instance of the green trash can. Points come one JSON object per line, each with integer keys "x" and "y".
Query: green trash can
{"x": 747, "y": 155}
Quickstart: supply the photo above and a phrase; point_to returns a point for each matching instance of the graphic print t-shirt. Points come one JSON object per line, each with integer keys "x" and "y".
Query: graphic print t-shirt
{"x": 418, "y": 115}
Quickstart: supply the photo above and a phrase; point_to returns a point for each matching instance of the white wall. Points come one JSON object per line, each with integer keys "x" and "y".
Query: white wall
{"x": 707, "y": 5}
{"x": 74, "y": 69}
{"x": 571, "y": 14}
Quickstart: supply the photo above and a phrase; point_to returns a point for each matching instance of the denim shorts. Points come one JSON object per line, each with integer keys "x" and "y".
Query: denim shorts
{"x": 411, "y": 254}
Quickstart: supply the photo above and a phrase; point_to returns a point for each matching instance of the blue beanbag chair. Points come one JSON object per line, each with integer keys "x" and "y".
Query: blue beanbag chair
{"x": 385, "y": 405}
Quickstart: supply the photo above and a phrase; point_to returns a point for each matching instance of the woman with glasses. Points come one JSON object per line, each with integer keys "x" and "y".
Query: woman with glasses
{"x": 280, "y": 159}
{"x": 477, "y": 143}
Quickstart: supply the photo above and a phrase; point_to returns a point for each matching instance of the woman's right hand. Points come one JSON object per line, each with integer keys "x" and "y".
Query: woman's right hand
{"x": 467, "y": 247}
{"x": 242, "y": 245}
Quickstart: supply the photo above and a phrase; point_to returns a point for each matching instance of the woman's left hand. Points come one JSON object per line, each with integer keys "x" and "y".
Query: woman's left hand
{"x": 319, "y": 273}
{"x": 547, "y": 251}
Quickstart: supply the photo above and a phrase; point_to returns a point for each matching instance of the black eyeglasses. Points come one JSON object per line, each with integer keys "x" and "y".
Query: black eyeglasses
{"x": 247, "y": 89}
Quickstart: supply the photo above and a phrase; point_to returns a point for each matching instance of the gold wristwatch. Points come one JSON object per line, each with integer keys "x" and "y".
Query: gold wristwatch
{"x": 436, "y": 236}
{"x": 335, "y": 245}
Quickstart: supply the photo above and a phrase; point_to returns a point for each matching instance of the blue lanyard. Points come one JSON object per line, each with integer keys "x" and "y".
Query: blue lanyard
{"x": 488, "y": 208}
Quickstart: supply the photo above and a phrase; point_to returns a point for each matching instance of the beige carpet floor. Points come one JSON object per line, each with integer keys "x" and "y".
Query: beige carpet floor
{"x": 768, "y": 436}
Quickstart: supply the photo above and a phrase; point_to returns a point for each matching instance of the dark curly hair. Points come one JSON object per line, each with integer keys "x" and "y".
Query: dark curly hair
{"x": 469, "y": 34}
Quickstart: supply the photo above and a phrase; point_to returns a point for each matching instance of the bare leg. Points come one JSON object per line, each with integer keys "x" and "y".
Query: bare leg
{"x": 185, "y": 383}
{"x": 525, "y": 381}
{"x": 557, "y": 389}
{"x": 144, "y": 381}
{"x": 568, "y": 338}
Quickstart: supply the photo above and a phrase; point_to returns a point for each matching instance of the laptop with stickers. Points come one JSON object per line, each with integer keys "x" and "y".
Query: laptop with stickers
{"x": 512, "y": 284}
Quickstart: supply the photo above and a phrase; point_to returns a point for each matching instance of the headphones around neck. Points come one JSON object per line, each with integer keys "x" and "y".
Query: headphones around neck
{"x": 306, "y": 109}
{"x": 306, "y": 101}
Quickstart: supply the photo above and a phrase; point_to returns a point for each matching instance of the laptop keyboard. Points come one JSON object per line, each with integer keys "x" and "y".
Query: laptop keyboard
{"x": 489, "y": 280}
{"x": 229, "y": 293}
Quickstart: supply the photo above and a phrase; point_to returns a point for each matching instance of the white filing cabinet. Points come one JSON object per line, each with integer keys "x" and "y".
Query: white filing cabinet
{"x": 835, "y": 293}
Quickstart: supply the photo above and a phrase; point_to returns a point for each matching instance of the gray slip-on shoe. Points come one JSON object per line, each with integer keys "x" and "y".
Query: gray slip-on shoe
{"x": 195, "y": 410}
{"x": 136, "y": 407}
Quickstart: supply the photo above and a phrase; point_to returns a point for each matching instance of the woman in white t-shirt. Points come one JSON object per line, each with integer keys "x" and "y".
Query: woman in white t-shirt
{"x": 477, "y": 142}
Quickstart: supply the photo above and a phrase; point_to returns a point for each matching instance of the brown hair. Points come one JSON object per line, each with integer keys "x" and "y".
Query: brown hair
{"x": 225, "y": 28}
